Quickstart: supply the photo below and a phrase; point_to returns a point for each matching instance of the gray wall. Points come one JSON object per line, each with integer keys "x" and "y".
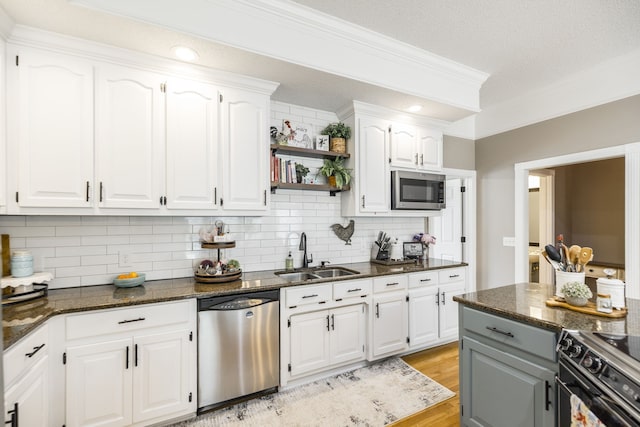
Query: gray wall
{"x": 459, "y": 153}
{"x": 592, "y": 195}
{"x": 608, "y": 125}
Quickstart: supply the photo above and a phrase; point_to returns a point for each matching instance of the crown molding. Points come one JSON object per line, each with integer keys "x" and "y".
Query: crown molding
{"x": 54, "y": 42}
{"x": 294, "y": 33}
{"x": 6, "y": 24}
{"x": 607, "y": 82}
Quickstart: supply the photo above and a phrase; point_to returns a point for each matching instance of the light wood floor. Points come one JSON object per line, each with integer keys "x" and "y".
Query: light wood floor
{"x": 441, "y": 365}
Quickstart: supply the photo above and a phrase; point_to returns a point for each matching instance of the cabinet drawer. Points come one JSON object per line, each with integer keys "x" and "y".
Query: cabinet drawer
{"x": 390, "y": 283}
{"x": 352, "y": 289}
{"x": 120, "y": 320}
{"x": 449, "y": 275}
{"x": 25, "y": 354}
{"x": 304, "y": 295}
{"x": 424, "y": 278}
{"x": 533, "y": 340}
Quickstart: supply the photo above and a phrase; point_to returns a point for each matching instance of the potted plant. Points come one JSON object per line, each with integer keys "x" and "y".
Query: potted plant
{"x": 339, "y": 133}
{"x": 576, "y": 293}
{"x": 335, "y": 171}
{"x": 301, "y": 172}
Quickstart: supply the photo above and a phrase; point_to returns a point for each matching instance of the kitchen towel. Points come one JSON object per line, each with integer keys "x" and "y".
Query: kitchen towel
{"x": 581, "y": 416}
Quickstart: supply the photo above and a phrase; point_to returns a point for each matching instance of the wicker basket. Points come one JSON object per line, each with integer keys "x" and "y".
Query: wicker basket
{"x": 338, "y": 145}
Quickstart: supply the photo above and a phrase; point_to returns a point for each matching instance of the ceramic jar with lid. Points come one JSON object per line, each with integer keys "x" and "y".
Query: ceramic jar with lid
{"x": 613, "y": 287}
{"x": 21, "y": 263}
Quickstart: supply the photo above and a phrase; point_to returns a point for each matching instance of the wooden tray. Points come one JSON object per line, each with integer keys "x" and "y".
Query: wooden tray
{"x": 590, "y": 308}
{"x": 223, "y": 278}
{"x": 393, "y": 262}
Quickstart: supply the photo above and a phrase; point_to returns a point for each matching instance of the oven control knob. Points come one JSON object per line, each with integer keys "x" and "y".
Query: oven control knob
{"x": 575, "y": 351}
{"x": 592, "y": 363}
{"x": 565, "y": 343}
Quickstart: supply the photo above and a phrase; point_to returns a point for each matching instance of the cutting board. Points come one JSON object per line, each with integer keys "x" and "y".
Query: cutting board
{"x": 6, "y": 256}
{"x": 590, "y": 308}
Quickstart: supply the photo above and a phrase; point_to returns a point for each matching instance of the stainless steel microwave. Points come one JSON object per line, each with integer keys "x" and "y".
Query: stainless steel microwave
{"x": 417, "y": 191}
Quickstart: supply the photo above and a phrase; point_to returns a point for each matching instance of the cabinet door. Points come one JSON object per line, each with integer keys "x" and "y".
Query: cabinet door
{"x": 309, "y": 334}
{"x": 347, "y": 335}
{"x": 429, "y": 149}
{"x": 99, "y": 384}
{"x": 373, "y": 168}
{"x": 423, "y": 316}
{"x": 130, "y": 137}
{"x": 245, "y": 157}
{"x": 389, "y": 323}
{"x": 403, "y": 146}
{"x": 502, "y": 390}
{"x": 31, "y": 394}
{"x": 449, "y": 309}
{"x": 160, "y": 374}
{"x": 192, "y": 145}
{"x": 50, "y": 118}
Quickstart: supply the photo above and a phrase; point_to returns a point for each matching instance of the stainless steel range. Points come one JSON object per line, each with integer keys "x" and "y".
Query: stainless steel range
{"x": 602, "y": 370}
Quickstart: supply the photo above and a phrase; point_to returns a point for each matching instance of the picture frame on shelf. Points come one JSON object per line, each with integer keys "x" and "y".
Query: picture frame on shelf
{"x": 322, "y": 142}
{"x": 299, "y": 134}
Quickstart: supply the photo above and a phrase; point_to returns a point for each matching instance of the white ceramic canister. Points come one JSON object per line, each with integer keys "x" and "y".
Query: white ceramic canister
{"x": 613, "y": 287}
{"x": 563, "y": 277}
{"x": 21, "y": 263}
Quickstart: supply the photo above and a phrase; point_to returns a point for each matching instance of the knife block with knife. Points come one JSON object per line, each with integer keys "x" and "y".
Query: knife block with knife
{"x": 380, "y": 248}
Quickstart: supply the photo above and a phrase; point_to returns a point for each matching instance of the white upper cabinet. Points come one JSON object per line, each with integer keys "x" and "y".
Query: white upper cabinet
{"x": 403, "y": 145}
{"x": 87, "y": 136}
{"x": 373, "y": 170}
{"x": 416, "y": 147}
{"x": 245, "y": 146}
{"x": 129, "y": 137}
{"x": 50, "y": 129}
{"x": 192, "y": 145}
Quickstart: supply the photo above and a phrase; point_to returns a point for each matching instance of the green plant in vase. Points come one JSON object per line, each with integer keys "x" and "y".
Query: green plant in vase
{"x": 339, "y": 133}
{"x": 301, "y": 172}
{"x": 336, "y": 170}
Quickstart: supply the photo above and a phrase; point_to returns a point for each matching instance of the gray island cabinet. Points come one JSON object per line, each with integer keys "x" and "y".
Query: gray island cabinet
{"x": 507, "y": 372}
{"x": 507, "y": 352}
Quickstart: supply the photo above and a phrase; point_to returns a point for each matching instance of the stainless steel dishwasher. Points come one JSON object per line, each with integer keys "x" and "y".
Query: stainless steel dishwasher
{"x": 238, "y": 347}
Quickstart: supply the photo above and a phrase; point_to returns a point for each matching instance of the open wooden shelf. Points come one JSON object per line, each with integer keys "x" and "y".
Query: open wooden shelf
{"x": 313, "y": 187}
{"x": 306, "y": 152}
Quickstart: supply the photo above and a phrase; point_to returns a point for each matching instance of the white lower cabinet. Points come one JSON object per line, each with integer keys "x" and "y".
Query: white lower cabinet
{"x": 321, "y": 339}
{"x": 139, "y": 370}
{"x": 433, "y": 315}
{"x": 389, "y": 321}
{"x": 26, "y": 380}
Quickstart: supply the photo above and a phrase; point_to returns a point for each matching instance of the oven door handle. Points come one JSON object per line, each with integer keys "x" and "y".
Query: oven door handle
{"x": 563, "y": 386}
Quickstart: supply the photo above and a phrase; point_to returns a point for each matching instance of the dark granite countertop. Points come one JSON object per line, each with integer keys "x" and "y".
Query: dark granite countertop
{"x": 525, "y": 302}
{"x": 21, "y": 318}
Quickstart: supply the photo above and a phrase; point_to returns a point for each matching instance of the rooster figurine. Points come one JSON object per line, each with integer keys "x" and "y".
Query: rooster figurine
{"x": 344, "y": 233}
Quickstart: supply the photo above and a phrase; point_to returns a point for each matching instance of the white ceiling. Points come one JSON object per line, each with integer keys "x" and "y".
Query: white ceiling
{"x": 523, "y": 45}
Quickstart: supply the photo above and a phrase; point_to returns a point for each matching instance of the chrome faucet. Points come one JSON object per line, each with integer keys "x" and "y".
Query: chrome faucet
{"x": 303, "y": 247}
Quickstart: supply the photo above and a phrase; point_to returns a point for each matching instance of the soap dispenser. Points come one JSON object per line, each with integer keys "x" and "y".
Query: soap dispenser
{"x": 288, "y": 264}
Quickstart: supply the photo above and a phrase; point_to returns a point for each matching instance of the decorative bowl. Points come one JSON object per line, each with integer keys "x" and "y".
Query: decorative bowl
{"x": 130, "y": 283}
{"x": 577, "y": 301}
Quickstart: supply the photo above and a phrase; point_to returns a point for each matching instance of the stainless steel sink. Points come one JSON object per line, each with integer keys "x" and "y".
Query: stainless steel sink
{"x": 297, "y": 276}
{"x": 320, "y": 273}
{"x": 335, "y": 272}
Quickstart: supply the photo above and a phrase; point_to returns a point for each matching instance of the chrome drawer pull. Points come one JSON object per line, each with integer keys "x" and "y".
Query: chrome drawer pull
{"x": 310, "y": 296}
{"x": 355, "y": 290}
{"x": 454, "y": 276}
{"x": 139, "y": 319}
{"x": 493, "y": 329}
{"x": 393, "y": 284}
{"x": 35, "y": 350}
{"x": 425, "y": 280}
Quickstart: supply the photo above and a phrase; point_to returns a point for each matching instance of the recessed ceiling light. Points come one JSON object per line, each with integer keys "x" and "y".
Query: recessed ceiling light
{"x": 185, "y": 53}
{"x": 414, "y": 108}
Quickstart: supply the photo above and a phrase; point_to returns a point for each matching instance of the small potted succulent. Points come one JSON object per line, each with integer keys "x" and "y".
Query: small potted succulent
{"x": 339, "y": 133}
{"x": 335, "y": 171}
{"x": 576, "y": 293}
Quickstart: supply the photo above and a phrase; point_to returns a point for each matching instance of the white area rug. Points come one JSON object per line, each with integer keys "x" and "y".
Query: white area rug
{"x": 376, "y": 395}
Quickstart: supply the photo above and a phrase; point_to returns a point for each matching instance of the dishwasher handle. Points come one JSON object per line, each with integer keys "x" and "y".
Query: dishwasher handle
{"x": 240, "y": 304}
